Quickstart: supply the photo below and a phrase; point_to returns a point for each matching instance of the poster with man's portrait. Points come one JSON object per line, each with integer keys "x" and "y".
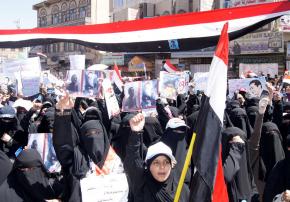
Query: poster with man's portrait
{"x": 149, "y": 94}
{"x": 172, "y": 84}
{"x": 42, "y": 142}
{"x": 92, "y": 83}
{"x": 132, "y": 92}
{"x": 74, "y": 81}
{"x": 255, "y": 87}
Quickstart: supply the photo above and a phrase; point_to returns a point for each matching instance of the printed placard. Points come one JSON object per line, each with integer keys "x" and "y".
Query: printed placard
{"x": 255, "y": 87}
{"x": 42, "y": 142}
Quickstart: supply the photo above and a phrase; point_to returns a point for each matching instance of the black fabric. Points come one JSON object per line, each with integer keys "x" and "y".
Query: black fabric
{"x": 252, "y": 114}
{"x": 206, "y": 151}
{"x": 176, "y": 139}
{"x": 31, "y": 175}
{"x": 5, "y": 167}
{"x": 160, "y": 191}
{"x": 95, "y": 141}
{"x": 240, "y": 119}
{"x": 8, "y": 187}
{"x": 278, "y": 180}
{"x": 92, "y": 113}
{"x": 47, "y": 121}
{"x": 152, "y": 131}
{"x": 239, "y": 183}
{"x": 271, "y": 149}
{"x": 120, "y": 141}
{"x": 143, "y": 186}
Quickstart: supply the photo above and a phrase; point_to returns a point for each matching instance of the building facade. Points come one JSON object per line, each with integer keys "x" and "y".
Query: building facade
{"x": 267, "y": 45}
{"x": 54, "y": 13}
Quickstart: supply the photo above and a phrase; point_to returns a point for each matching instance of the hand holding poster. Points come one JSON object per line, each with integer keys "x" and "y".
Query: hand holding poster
{"x": 110, "y": 98}
{"x": 108, "y": 183}
{"x": 42, "y": 142}
{"x": 255, "y": 86}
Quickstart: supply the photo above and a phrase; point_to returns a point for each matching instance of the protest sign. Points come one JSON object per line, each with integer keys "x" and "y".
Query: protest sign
{"x": 149, "y": 94}
{"x": 42, "y": 142}
{"x": 48, "y": 79}
{"x": 108, "y": 183}
{"x": 92, "y": 83}
{"x": 77, "y": 62}
{"x": 30, "y": 82}
{"x": 172, "y": 84}
{"x": 74, "y": 82}
{"x": 255, "y": 87}
{"x": 110, "y": 98}
{"x": 29, "y": 64}
{"x": 258, "y": 69}
{"x": 132, "y": 97}
{"x": 200, "y": 80}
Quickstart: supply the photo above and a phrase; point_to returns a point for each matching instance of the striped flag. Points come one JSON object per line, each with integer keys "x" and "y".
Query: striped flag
{"x": 190, "y": 31}
{"x": 207, "y": 183}
{"x": 117, "y": 78}
{"x": 169, "y": 67}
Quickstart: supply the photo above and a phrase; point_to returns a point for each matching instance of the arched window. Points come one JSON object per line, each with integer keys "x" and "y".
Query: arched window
{"x": 55, "y": 15}
{"x": 181, "y": 11}
{"x": 64, "y": 13}
{"x": 166, "y": 13}
{"x": 42, "y": 19}
{"x": 83, "y": 8}
{"x": 73, "y": 12}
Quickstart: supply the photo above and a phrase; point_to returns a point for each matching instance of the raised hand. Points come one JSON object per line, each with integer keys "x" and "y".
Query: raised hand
{"x": 137, "y": 122}
{"x": 65, "y": 102}
{"x": 263, "y": 105}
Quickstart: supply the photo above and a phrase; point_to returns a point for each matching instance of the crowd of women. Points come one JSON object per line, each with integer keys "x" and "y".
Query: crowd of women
{"x": 152, "y": 149}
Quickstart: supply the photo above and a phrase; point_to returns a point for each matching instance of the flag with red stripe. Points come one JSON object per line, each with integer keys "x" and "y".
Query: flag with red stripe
{"x": 117, "y": 78}
{"x": 189, "y": 31}
{"x": 208, "y": 182}
{"x": 169, "y": 67}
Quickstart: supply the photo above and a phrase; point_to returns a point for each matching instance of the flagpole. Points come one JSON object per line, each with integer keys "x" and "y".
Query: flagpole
{"x": 185, "y": 168}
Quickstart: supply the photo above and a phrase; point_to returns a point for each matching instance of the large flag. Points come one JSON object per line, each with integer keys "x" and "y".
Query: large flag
{"x": 117, "y": 78}
{"x": 180, "y": 32}
{"x": 206, "y": 151}
{"x": 169, "y": 67}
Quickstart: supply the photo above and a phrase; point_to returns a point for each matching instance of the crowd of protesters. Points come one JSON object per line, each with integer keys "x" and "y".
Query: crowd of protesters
{"x": 151, "y": 149}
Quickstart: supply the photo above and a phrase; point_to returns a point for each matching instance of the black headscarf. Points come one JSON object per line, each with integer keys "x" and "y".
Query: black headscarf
{"x": 8, "y": 188}
{"x": 279, "y": 178}
{"x": 161, "y": 191}
{"x": 119, "y": 142}
{"x": 92, "y": 113}
{"x": 271, "y": 149}
{"x": 252, "y": 112}
{"x": 95, "y": 141}
{"x": 47, "y": 121}
{"x": 152, "y": 131}
{"x": 241, "y": 184}
{"x": 240, "y": 119}
{"x": 176, "y": 139}
{"x": 33, "y": 178}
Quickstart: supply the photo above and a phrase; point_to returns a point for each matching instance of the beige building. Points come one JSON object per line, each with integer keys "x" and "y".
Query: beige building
{"x": 54, "y": 13}
{"x": 12, "y": 54}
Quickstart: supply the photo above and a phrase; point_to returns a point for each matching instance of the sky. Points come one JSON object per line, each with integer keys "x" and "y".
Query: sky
{"x": 14, "y": 10}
